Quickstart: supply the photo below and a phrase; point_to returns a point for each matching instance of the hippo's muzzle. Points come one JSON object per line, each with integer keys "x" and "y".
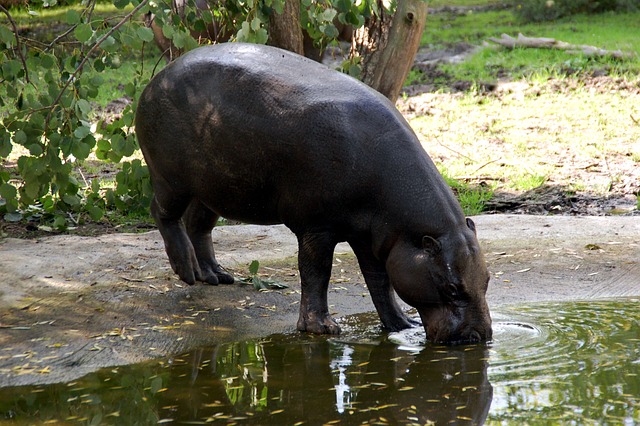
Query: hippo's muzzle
{"x": 456, "y": 326}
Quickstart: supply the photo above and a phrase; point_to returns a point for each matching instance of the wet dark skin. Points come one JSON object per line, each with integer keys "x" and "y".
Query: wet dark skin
{"x": 261, "y": 135}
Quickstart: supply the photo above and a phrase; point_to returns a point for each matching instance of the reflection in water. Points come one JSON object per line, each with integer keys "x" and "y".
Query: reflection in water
{"x": 343, "y": 390}
{"x": 566, "y": 363}
{"x": 315, "y": 380}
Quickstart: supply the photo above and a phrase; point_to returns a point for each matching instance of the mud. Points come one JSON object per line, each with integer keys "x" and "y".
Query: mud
{"x": 70, "y": 305}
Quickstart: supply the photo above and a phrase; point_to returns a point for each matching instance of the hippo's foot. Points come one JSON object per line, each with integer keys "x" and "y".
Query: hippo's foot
{"x": 214, "y": 274}
{"x": 187, "y": 268}
{"x": 318, "y": 324}
{"x": 400, "y": 322}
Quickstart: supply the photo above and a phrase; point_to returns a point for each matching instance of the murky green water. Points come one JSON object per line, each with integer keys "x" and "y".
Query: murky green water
{"x": 565, "y": 363}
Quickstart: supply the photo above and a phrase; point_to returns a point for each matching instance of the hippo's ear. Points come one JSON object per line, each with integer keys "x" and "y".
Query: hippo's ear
{"x": 471, "y": 225}
{"x": 431, "y": 245}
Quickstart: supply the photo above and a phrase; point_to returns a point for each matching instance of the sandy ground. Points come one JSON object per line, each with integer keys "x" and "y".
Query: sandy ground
{"x": 70, "y": 305}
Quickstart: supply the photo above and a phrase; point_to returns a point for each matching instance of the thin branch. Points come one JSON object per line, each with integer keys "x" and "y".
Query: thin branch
{"x": 72, "y": 77}
{"x": 551, "y": 43}
{"x": 18, "y": 48}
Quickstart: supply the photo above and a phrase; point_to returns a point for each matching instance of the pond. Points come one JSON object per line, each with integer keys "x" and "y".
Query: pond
{"x": 568, "y": 363}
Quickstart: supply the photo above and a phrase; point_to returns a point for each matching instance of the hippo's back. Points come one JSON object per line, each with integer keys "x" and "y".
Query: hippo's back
{"x": 256, "y": 70}
{"x": 269, "y": 125}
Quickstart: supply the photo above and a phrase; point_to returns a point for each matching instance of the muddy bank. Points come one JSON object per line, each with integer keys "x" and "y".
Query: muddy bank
{"x": 70, "y": 305}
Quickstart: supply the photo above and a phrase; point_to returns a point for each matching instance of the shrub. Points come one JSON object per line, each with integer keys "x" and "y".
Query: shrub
{"x": 547, "y": 10}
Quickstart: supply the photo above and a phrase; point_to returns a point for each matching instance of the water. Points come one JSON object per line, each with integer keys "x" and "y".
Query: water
{"x": 564, "y": 363}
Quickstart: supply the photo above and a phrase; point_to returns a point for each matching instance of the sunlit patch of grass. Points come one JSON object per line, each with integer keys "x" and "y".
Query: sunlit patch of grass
{"x": 526, "y": 182}
{"x": 522, "y": 138}
{"x": 472, "y": 198}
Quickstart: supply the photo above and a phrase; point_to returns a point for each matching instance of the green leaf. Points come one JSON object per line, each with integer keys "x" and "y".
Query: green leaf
{"x": 168, "y": 31}
{"x": 253, "y": 267}
{"x": 121, "y": 4}
{"x": 130, "y": 89}
{"x": 59, "y": 222}
{"x": 6, "y": 36}
{"x": 11, "y": 69}
{"x": 244, "y": 33}
{"x": 31, "y": 189}
{"x": 13, "y": 216}
{"x": 8, "y": 191}
{"x": 145, "y": 34}
{"x": 278, "y": 6}
{"x": 255, "y": 24}
{"x": 328, "y": 15}
{"x": 262, "y": 36}
{"x": 5, "y": 145}
{"x": 20, "y": 137}
{"x": 98, "y": 65}
{"x": 110, "y": 44}
{"x": 118, "y": 143}
{"x": 95, "y": 213}
{"x": 71, "y": 199}
{"x": 82, "y": 131}
{"x": 82, "y": 149}
{"x": 84, "y": 107}
{"x": 83, "y": 33}
{"x": 104, "y": 145}
{"x": 35, "y": 149}
{"x": 266, "y": 284}
{"x": 72, "y": 17}
{"x": 95, "y": 185}
{"x": 329, "y": 30}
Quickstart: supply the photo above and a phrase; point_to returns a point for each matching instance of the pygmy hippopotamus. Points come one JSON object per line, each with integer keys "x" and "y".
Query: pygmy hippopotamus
{"x": 261, "y": 135}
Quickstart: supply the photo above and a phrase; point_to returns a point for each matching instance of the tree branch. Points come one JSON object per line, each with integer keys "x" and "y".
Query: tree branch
{"x": 551, "y": 43}
{"x": 17, "y": 48}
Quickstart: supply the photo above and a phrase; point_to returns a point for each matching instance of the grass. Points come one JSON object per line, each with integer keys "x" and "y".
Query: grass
{"x": 609, "y": 31}
{"x": 532, "y": 136}
{"x": 550, "y": 124}
{"x": 472, "y": 198}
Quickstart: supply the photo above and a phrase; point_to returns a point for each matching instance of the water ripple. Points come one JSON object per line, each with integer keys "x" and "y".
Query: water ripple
{"x": 551, "y": 359}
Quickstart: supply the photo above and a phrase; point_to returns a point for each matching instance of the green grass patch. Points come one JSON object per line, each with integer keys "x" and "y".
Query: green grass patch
{"x": 608, "y": 31}
{"x": 472, "y": 198}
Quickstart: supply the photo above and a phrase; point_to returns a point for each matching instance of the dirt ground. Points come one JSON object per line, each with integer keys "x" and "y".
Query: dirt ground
{"x": 70, "y": 304}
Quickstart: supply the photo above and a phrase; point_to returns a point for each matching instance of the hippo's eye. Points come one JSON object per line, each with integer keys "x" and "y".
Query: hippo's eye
{"x": 452, "y": 290}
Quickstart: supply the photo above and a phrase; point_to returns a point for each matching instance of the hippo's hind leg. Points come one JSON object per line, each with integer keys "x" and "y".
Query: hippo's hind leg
{"x": 199, "y": 221}
{"x": 315, "y": 253}
{"x": 167, "y": 209}
{"x": 382, "y": 294}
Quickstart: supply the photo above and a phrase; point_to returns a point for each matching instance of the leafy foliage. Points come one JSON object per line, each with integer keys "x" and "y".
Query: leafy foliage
{"x": 260, "y": 283}
{"x": 48, "y": 124}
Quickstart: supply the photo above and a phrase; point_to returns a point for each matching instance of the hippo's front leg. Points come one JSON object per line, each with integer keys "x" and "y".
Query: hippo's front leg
{"x": 382, "y": 294}
{"x": 315, "y": 254}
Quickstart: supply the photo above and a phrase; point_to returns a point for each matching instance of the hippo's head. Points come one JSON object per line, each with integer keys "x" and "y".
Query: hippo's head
{"x": 445, "y": 279}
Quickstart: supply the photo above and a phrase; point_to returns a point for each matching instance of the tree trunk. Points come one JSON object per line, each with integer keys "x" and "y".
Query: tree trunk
{"x": 284, "y": 28}
{"x": 387, "y": 46}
